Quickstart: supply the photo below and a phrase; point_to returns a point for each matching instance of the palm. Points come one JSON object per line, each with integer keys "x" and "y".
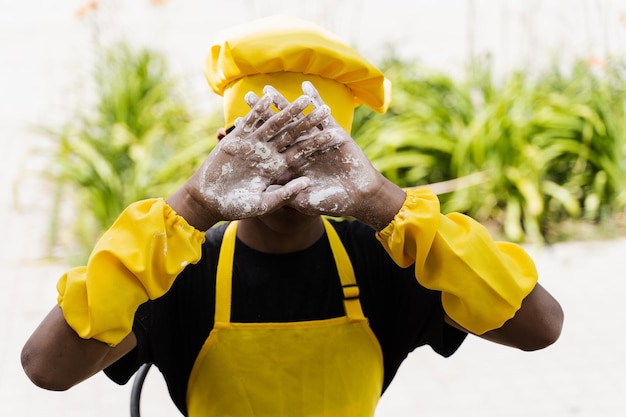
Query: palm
{"x": 234, "y": 181}
{"x": 341, "y": 178}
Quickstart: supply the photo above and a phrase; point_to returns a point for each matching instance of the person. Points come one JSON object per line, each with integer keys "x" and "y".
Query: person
{"x": 287, "y": 276}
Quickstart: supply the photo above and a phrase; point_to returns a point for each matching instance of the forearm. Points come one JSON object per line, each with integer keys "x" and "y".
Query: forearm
{"x": 482, "y": 282}
{"x": 137, "y": 259}
{"x": 56, "y": 358}
{"x": 186, "y": 205}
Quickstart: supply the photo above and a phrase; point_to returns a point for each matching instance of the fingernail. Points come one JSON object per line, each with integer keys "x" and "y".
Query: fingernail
{"x": 304, "y": 99}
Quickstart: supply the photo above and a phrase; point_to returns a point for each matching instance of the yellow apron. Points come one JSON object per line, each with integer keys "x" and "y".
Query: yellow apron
{"x": 325, "y": 368}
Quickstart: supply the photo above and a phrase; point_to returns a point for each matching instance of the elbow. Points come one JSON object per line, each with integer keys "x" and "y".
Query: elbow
{"x": 548, "y": 329}
{"x": 531, "y": 328}
{"x": 39, "y": 373}
{"x": 541, "y": 320}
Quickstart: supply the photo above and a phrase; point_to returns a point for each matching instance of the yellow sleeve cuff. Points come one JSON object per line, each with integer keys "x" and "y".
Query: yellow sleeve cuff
{"x": 137, "y": 259}
{"x": 483, "y": 282}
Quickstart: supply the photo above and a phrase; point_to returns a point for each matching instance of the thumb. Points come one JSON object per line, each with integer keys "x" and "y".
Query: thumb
{"x": 276, "y": 195}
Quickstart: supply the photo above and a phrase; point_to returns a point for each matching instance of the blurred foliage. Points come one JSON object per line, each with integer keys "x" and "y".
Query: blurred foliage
{"x": 529, "y": 156}
{"x": 138, "y": 140}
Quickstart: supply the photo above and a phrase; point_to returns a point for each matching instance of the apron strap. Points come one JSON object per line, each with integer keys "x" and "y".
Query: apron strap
{"x": 224, "y": 281}
{"x": 223, "y": 286}
{"x": 349, "y": 286}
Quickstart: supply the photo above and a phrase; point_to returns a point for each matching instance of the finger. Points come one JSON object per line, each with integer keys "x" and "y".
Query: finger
{"x": 277, "y": 196}
{"x": 296, "y": 130}
{"x": 313, "y": 119}
{"x": 316, "y": 100}
{"x": 252, "y": 99}
{"x": 236, "y": 146}
{"x": 309, "y": 89}
{"x": 257, "y": 114}
{"x": 297, "y": 154}
{"x": 331, "y": 199}
{"x": 301, "y": 203}
{"x": 280, "y": 102}
{"x": 283, "y": 118}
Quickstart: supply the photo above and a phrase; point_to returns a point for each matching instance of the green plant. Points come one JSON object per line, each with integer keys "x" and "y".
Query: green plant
{"x": 139, "y": 140}
{"x": 537, "y": 153}
{"x": 527, "y": 155}
{"x": 412, "y": 143}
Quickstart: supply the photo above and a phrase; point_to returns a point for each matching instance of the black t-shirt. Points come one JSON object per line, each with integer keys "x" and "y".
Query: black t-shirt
{"x": 298, "y": 286}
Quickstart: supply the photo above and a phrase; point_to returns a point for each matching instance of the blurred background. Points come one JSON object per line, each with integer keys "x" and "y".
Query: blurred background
{"x": 513, "y": 109}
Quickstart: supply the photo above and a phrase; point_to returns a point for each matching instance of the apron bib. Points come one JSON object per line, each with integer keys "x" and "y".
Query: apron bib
{"x": 324, "y": 368}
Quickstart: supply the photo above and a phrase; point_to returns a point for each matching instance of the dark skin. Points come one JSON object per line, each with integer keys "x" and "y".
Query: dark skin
{"x": 309, "y": 156}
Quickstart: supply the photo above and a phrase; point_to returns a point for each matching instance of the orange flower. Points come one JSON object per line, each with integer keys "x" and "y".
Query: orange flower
{"x": 85, "y": 8}
{"x": 595, "y": 62}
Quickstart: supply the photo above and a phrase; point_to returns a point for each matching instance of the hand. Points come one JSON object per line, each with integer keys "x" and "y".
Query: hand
{"x": 233, "y": 181}
{"x": 343, "y": 182}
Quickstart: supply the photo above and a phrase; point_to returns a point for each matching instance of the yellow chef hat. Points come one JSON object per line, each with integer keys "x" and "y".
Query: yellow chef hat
{"x": 283, "y": 52}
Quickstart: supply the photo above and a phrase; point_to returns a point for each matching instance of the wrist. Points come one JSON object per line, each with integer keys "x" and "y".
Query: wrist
{"x": 192, "y": 210}
{"x": 380, "y": 208}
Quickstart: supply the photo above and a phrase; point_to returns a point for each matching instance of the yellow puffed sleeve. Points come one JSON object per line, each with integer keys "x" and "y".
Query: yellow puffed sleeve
{"x": 483, "y": 282}
{"x": 137, "y": 259}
